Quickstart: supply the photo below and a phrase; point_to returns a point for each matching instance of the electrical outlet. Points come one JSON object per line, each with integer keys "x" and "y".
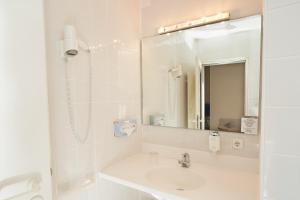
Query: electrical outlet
{"x": 237, "y": 144}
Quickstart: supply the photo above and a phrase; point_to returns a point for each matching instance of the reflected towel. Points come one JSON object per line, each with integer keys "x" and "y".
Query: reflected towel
{"x": 230, "y": 125}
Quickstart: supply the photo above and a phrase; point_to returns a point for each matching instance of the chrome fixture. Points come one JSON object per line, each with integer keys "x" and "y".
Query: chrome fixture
{"x": 194, "y": 23}
{"x": 185, "y": 162}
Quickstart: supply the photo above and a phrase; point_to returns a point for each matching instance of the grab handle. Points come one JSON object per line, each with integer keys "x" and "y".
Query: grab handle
{"x": 32, "y": 181}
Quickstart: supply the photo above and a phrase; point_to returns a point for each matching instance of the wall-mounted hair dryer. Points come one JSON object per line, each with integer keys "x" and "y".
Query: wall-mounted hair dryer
{"x": 70, "y": 47}
{"x": 70, "y": 41}
{"x": 71, "y": 44}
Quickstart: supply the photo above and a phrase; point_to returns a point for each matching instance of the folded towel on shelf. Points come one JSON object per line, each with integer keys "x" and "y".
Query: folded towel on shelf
{"x": 230, "y": 125}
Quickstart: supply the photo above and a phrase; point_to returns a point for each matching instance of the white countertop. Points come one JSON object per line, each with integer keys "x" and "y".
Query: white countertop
{"x": 220, "y": 182}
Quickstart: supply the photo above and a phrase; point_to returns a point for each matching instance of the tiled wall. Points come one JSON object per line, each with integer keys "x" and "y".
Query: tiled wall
{"x": 198, "y": 140}
{"x": 155, "y": 13}
{"x": 116, "y": 84}
{"x": 281, "y": 101}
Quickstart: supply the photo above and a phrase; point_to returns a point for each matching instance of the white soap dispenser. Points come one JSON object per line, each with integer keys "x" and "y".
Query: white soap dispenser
{"x": 214, "y": 141}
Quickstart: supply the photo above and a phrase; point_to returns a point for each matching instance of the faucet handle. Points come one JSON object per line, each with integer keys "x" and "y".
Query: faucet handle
{"x": 186, "y": 157}
{"x": 185, "y": 161}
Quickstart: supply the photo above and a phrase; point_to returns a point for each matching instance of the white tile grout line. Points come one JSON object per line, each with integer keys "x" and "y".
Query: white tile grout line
{"x": 282, "y": 57}
{"x": 269, "y": 9}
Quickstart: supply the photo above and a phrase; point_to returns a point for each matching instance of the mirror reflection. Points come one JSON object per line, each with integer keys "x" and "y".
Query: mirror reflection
{"x": 203, "y": 78}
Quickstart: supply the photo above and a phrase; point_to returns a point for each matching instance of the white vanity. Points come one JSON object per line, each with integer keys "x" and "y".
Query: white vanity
{"x": 210, "y": 177}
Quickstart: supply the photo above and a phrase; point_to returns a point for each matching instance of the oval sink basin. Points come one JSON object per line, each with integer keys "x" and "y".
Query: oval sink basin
{"x": 175, "y": 178}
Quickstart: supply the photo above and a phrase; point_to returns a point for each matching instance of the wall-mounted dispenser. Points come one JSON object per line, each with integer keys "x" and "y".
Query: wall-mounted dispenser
{"x": 214, "y": 142}
{"x": 124, "y": 128}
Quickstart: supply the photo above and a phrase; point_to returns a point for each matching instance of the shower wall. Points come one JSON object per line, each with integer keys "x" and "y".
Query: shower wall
{"x": 115, "y": 87}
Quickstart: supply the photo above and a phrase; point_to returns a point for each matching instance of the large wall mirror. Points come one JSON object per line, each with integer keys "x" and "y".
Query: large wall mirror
{"x": 203, "y": 78}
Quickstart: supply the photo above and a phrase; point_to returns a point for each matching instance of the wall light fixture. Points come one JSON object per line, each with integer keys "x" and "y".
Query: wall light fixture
{"x": 195, "y": 23}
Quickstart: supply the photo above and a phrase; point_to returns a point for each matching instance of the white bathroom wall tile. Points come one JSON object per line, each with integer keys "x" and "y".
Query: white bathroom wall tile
{"x": 250, "y": 145}
{"x": 163, "y": 136}
{"x": 59, "y": 117}
{"x": 282, "y": 130}
{"x": 195, "y": 140}
{"x": 198, "y": 140}
{"x": 107, "y": 141}
{"x": 282, "y": 177}
{"x": 78, "y": 66}
{"x": 63, "y": 155}
{"x": 100, "y": 19}
{"x": 80, "y": 15}
{"x": 120, "y": 29}
{"x": 158, "y": 13}
{"x": 101, "y": 129}
{"x": 81, "y": 92}
{"x": 282, "y": 82}
{"x": 280, "y": 155}
{"x": 125, "y": 87}
{"x": 100, "y": 70}
{"x": 133, "y": 111}
{"x": 101, "y": 79}
{"x": 80, "y": 116}
{"x": 57, "y": 86}
{"x": 128, "y": 67}
{"x": 122, "y": 97}
{"x": 282, "y": 39}
{"x": 101, "y": 92}
{"x": 273, "y": 4}
{"x": 96, "y": 22}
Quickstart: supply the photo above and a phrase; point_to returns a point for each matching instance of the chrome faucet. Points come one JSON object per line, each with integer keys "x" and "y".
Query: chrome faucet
{"x": 185, "y": 162}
